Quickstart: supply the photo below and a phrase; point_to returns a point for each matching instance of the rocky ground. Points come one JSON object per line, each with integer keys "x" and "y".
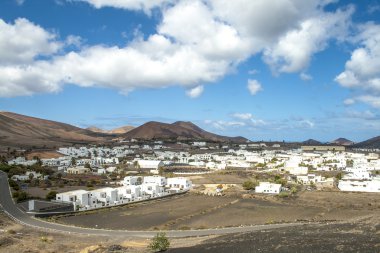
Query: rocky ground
{"x": 196, "y": 211}
{"x": 357, "y": 236}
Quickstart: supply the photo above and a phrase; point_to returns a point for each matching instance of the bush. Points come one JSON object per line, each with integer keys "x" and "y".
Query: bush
{"x": 159, "y": 243}
{"x": 294, "y": 190}
{"x": 51, "y": 195}
{"x": 283, "y": 194}
{"x": 14, "y": 185}
{"x": 22, "y": 196}
{"x": 249, "y": 185}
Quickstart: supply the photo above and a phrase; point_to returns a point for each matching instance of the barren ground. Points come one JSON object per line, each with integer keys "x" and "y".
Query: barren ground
{"x": 194, "y": 211}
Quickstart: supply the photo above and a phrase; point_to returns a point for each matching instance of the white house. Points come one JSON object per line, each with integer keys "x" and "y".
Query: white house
{"x": 77, "y": 170}
{"x": 28, "y": 175}
{"x": 130, "y": 192}
{"x": 132, "y": 180}
{"x": 77, "y": 197}
{"x": 101, "y": 171}
{"x": 22, "y": 161}
{"x": 297, "y": 170}
{"x": 199, "y": 143}
{"x": 179, "y": 183}
{"x": 360, "y": 185}
{"x": 106, "y": 195}
{"x": 161, "y": 181}
{"x": 358, "y": 175}
{"x": 309, "y": 179}
{"x": 111, "y": 169}
{"x": 266, "y": 187}
{"x": 153, "y": 190}
{"x": 150, "y": 164}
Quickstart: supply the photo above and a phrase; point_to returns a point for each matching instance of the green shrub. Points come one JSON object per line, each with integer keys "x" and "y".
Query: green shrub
{"x": 22, "y": 196}
{"x": 283, "y": 194}
{"x": 159, "y": 243}
{"x": 51, "y": 195}
{"x": 249, "y": 185}
{"x": 14, "y": 185}
{"x": 294, "y": 190}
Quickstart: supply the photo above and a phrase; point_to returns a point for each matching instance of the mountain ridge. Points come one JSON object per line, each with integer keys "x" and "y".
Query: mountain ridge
{"x": 118, "y": 130}
{"x": 17, "y": 130}
{"x": 179, "y": 130}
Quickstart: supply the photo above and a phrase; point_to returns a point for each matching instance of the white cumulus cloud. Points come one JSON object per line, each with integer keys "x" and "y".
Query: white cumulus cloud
{"x": 362, "y": 71}
{"x": 293, "y": 50}
{"x": 195, "y": 92}
{"x": 254, "y": 86}
{"x": 243, "y": 116}
{"x": 144, "y": 5}
{"x": 195, "y": 42}
{"x": 23, "y": 41}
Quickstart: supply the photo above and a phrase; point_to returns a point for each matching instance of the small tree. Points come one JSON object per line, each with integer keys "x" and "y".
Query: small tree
{"x": 51, "y": 195}
{"x": 161, "y": 171}
{"x": 22, "y": 196}
{"x": 73, "y": 161}
{"x": 159, "y": 243}
{"x": 249, "y": 185}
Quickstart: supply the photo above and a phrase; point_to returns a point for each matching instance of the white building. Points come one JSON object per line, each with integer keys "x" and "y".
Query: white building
{"x": 153, "y": 190}
{"x": 158, "y": 180}
{"x": 106, "y": 195}
{"x": 297, "y": 170}
{"x": 199, "y": 143}
{"x": 77, "y": 170}
{"x": 22, "y": 161}
{"x": 309, "y": 179}
{"x": 132, "y": 180}
{"x": 360, "y": 185}
{"x": 179, "y": 183}
{"x": 28, "y": 175}
{"x": 150, "y": 164}
{"x": 266, "y": 187}
{"x": 130, "y": 192}
{"x": 101, "y": 171}
{"x": 79, "y": 198}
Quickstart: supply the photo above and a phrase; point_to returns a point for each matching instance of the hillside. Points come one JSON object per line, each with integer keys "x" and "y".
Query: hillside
{"x": 373, "y": 143}
{"x": 311, "y": 142}
{"x": 179, "y": 130}
{"x": 119, "y": 130}
{"x": 23, "y": 131}
{"x": 19, "y": 131}
{"x": 342, "y": 141}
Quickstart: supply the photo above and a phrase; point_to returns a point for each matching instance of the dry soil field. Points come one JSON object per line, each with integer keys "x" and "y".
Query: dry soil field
{"x": 200, "y": 211}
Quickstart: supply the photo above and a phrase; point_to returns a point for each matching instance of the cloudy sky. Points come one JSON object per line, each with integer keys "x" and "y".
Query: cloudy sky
{"x": 266, "y": 70}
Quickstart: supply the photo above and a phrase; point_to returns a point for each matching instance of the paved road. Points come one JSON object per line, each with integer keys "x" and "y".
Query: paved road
{"x": 11, "y": 209}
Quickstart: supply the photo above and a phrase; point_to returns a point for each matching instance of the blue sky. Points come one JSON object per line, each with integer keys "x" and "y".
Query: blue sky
{"x": 267, "y": 70}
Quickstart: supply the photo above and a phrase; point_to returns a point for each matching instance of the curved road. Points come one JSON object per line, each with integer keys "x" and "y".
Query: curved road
{"x": 12, "y": 210}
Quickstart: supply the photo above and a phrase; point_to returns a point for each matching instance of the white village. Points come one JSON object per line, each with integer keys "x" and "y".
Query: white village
{"x": 139, "y": 177}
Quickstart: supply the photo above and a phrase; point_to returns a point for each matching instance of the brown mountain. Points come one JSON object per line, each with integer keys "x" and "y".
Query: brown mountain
{"x": 23, "y": 131}
{"x": 373, "y": 143}
{"x": 342, "y": 141}
{"x": 119, "y": 130}
{"x": 311, "y": 142}
{"x": 96, "y": 129}
{"x": 179, "y": 130}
